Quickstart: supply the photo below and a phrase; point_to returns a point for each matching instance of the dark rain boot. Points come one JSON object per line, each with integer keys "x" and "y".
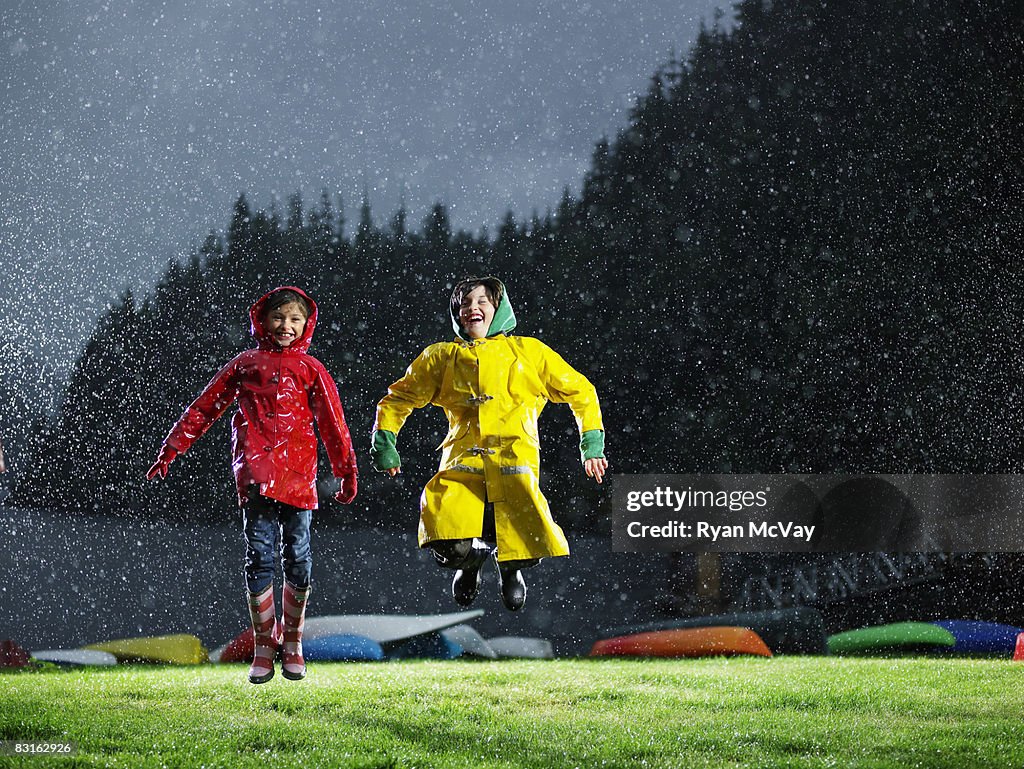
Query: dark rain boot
{"x": 511, "y": 584}
{"x": 466, "y": 583}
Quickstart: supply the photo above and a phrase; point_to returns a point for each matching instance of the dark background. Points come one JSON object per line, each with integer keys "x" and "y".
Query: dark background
{"x": 800, "y": 253}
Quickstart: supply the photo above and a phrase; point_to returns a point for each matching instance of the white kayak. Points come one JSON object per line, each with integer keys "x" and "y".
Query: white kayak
{"x": 473, "y": 644}
{"x": 75, "y": 657}
{"x": 516, "y": 647}
{"x": 384, "y": 628}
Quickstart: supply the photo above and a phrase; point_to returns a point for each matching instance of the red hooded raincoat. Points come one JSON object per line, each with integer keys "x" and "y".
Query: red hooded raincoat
{"x": 279, "y": 392}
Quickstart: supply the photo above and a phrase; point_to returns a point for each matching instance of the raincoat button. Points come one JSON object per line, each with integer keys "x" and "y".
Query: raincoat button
{"x": 271, "y": 415}
{"x": 268, "y": 448}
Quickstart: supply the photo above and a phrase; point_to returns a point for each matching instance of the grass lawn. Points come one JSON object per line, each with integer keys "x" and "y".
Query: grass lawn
{"x": 788, "y": 711}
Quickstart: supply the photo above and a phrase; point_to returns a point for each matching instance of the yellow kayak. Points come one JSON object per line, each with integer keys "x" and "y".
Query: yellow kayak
{"x": 179, "y": 649}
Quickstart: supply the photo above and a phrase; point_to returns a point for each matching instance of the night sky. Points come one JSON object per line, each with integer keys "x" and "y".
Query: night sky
{"x": 129, "y": 128}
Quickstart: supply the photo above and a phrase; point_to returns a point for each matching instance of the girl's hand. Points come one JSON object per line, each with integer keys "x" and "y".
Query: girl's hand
{"x": 347, "y": 486}
{"x": 163, "y": 461}
{"x": 596, "y": 468}
{"x": 393, "y": 471}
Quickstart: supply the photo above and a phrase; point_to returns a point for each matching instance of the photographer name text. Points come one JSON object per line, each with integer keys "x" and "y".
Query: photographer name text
{"x": 713, "y": 532}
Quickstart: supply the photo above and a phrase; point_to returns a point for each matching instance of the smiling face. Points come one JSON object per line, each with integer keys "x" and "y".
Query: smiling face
{"x": 285, "y": 323}
{"x": 476, "y": 311}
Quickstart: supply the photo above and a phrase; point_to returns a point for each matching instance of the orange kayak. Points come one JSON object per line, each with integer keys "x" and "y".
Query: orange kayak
{"x": 684, "y": 642}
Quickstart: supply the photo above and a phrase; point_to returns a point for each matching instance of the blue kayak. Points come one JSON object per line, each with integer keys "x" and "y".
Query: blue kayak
{"x": 342, "y": 648}
{"x": 427, "y": 646}
{"x": 975, "y": 637}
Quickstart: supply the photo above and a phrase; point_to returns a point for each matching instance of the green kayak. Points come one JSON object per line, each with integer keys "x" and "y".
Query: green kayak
{"x": 894, "y": 638}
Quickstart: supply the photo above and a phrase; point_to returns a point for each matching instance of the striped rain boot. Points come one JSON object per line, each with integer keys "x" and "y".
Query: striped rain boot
{"x": 293, "y": 615}
{"x": 267, "y": 635}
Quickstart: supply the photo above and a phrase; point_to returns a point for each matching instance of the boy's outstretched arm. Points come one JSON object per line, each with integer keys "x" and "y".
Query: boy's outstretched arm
{"x": 413, "y": 391}
{"x": 197, "y": 418}
{"x": 566, "y": 385}
{"x": 330, "y": 419}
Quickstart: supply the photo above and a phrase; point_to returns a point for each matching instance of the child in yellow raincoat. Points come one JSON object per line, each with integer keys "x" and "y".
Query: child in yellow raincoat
{"x": 486, "y": 493}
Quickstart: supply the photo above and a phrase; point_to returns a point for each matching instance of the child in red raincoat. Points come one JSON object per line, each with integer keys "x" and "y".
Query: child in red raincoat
{"x": 280, "y": 390}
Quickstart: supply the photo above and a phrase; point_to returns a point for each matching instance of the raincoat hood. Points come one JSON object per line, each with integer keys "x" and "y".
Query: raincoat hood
{"x": 262, "y": 335}
{"x": 503, "y": 322}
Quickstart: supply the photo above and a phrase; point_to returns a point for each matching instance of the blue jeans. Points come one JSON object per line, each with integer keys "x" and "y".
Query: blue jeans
{"x": 275, "y": 530}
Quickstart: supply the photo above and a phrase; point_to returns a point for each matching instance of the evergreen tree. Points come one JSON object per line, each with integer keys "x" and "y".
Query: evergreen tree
{"x": 798, "y": 255}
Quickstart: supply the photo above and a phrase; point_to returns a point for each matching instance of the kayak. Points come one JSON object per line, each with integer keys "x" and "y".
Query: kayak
{"x": 342, "y": 648}
{"x": 180, "y": 649}
{"x": 975, "y": 637}
{"x": 75, "y": 657}
{"x": 798, "y": 630}
{"x": 892, "y": 638}
{"x": 714, "y": 641}
{"x": 518, "y": 647}
{"x": 384, "y": 629}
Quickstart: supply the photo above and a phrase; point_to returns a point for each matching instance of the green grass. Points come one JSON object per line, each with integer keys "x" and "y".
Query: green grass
{"x": 793, "y": 712}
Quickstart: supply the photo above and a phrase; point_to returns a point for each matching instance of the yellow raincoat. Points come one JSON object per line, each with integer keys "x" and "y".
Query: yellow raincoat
{"x": 492, "y": 391}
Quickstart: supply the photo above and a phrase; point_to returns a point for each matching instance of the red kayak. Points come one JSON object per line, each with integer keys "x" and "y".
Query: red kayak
{"x": 684, "y": 642}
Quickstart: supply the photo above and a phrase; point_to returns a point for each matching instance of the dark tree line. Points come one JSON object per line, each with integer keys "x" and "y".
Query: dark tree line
{"x": 801, "y": 254}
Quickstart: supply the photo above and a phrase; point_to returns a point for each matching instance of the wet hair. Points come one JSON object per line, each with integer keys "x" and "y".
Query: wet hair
{"x": 283, "y": 297}
{"x": 491, "y": 285}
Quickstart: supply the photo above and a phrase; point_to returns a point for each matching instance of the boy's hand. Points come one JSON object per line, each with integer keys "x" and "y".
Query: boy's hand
{"x": 163, "y": 461}
{"x": 346, "y": 493}
{"x": 596, "y": 468}
{"x": 393, "y": 471}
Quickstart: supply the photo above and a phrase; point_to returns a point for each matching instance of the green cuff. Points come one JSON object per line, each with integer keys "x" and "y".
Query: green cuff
{"x": 592, "y": 445}
{"x": 383, "y": 454}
